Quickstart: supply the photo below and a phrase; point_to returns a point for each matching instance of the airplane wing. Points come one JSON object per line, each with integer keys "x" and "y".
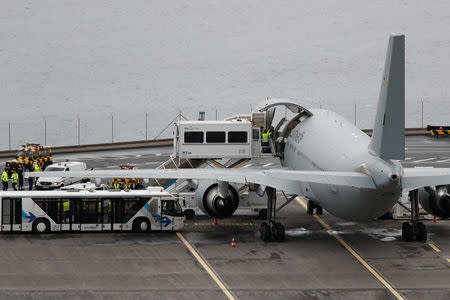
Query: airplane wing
{"x": 414, "y": 178}
{"x": 283, "y": 179}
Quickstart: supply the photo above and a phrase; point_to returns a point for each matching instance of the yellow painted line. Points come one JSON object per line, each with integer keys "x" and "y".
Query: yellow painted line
{"x": 207, "y": 268}
{"x": 217, "y": 164}
{"x": 435, "y": 248}
{"x": 448, "y": 259}
{"x": 354, "y": 253}
{"x": 241, "y": 164}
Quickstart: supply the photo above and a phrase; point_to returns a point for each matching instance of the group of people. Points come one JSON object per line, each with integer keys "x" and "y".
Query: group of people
{"x": 16, "y": 177}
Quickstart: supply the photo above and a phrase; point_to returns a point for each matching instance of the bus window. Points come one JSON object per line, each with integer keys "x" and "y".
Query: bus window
{"x": 193, "y": 137}
{"x": 17, "y": 211}
{"x": 171, "y": 208}
{"x": 90, "y": 211}
{"x": 50, "y": 207}
{"x": 132, "y": 206}
{"x": 6, "y": 211}
{"x": 237, "y": 137}
{"x": 215, "y": 137}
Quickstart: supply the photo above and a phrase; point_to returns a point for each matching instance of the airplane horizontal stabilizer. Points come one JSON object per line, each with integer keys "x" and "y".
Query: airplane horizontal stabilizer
{"x": 414, "y": 178}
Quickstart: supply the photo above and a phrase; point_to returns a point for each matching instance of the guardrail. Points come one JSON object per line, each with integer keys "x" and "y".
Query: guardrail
{"x": 155, "y": 143}
{"x": 101, "y": 147}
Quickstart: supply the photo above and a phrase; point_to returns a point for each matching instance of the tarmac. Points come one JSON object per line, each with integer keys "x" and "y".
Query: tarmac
{"x": 322, "y": 258}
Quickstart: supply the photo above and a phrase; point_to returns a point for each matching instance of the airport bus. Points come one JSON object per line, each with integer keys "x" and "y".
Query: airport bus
{"x": 90, "y": 210}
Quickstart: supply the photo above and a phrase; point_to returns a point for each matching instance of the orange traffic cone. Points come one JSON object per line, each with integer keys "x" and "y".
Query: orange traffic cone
{"x": 215, "y": 222}
{"x": 435, "y": 219}
{"x": 233, "y": 243}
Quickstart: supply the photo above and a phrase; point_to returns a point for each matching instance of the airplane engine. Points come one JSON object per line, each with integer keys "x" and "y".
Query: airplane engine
{"x": 436, "y": 200}
{"x": 217, "y": 199}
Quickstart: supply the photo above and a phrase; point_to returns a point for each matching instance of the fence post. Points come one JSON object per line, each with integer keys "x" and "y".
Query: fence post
{"x": 45, "y": 131}
{"x": 146, "y": 126}
{"x": 112, "y": 129}
{"x": 355, "y": 114}
{"x": 78, "y": 129}
{"x": 422, "y": 113}
{"x": 9, "y": 134}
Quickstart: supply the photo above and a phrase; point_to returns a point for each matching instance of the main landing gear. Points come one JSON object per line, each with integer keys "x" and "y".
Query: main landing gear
{"x": 414, "y": 228}
{"x": 271, "y": 230}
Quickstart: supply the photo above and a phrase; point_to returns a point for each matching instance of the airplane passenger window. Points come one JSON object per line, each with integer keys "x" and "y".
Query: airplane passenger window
{"x": 237, "y": 137}
{"x": 193, "y": 137}
{"x": 215, "y": 137}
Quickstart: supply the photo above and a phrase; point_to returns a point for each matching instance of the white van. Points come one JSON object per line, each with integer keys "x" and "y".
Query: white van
{"x": 58, "y": 182}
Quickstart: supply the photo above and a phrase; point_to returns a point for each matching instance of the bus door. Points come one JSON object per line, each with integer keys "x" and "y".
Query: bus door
{"x": 70, "y": 214}
{"x": 107, "y": 214}
{"x": 11, "y": 214}
{"x": 91, "y": 214}
{"x": 117, "y": 213}
{"x": 167, "y": 214}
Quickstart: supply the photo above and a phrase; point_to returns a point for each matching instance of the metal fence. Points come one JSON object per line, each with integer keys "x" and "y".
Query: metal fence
{"x": 93, "y": 128}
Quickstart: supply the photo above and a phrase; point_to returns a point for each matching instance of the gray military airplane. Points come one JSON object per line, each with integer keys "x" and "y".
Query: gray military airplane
{"x": 331, "y": 162}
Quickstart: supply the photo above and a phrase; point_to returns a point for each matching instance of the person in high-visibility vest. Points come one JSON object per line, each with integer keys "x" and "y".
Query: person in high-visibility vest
{"x": 37, "y": 168}
{"x": 116, "y": 185}
{"x": 66, "y": 210}
{"x": 265, "y": 142}
{"x": 5, "y": 180}
{"x": 14, "y": 179}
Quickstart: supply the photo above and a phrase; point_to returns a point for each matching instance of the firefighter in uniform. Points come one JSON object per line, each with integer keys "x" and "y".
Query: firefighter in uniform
{"x": 5, "y": 180}
{"x": 30, "y": 180}
{"x": 14, "y": 179}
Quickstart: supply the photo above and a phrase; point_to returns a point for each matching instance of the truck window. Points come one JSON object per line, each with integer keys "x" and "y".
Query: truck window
{"x": 237, "y": 136}
{"x": 193, "y": 137}
{"x": 171, "y": 208}
{"x": 215, "y": 137}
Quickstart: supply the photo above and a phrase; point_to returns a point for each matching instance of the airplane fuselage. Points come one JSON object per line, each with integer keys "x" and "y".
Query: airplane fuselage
{"x": 326, "y": 141}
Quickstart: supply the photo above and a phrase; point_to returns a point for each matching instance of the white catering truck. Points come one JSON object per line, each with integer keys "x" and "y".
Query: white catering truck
{"x": 90, "y": 210}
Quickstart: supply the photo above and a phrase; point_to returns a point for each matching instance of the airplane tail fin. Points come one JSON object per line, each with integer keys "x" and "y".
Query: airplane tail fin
{"x": 388, "y": 138}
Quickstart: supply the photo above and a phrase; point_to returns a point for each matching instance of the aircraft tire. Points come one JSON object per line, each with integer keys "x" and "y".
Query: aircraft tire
{"x": 265, "y": 233}
{"x": 421, "y": 234}
{"x": 407, "y": 232}
{"x": 278, "y": 232}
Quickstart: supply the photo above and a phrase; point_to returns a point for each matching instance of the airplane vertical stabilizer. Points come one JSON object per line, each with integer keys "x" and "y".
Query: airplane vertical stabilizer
{"x": 388, "y": 138}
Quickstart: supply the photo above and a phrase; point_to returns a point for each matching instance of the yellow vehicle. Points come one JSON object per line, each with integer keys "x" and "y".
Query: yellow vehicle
{"x": 28, "y": 155}
{"x": 131, "y": 183}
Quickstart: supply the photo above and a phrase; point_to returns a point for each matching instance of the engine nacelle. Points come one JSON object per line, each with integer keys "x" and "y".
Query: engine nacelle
{"x": 217, "y": 199}
{"x": 436, "y": 200}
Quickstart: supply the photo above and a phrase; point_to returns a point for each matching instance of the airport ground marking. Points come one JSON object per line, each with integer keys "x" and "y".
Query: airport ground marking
{"x": 435, "y": 248}
{"x": 448, "y": 259}
{"x": 206, "y": 266}
{"x": 355, "y": 254}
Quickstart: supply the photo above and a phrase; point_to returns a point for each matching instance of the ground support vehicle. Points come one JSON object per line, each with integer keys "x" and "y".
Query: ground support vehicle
{"x": 90, "y": 210}
{"x": 29, "y": 154}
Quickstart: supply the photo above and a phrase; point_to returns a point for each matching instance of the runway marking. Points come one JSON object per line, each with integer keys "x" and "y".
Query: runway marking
{"x": 246, "y": 166}
{"x": 423, "y": 160}
{"x": 266, "y": 165}
{"x": 448, "y": 259}
{"x": 409, "y": 158}
{"x": 207, "y": 268}
{"x": 435, "y": 248}
{"x": 353, "y": 252}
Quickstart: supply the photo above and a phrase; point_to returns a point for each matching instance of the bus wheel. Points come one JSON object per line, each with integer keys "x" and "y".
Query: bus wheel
{"x": 41, "y": 226}
{"x": 141, "y": 225}
{"x": 189, "y": 214}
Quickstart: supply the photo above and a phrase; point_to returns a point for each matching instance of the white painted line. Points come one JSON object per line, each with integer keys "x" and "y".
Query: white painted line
{"x": 409, "y": 158}
{"x": 442, "y": 161}
{"x": 246, "y": 166}
{"x": 266, "y": 165}
{"x": 423, "y": 160}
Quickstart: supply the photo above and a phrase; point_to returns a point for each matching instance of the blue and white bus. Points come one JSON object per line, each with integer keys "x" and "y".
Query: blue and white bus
{"x": 94, "y": 210}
